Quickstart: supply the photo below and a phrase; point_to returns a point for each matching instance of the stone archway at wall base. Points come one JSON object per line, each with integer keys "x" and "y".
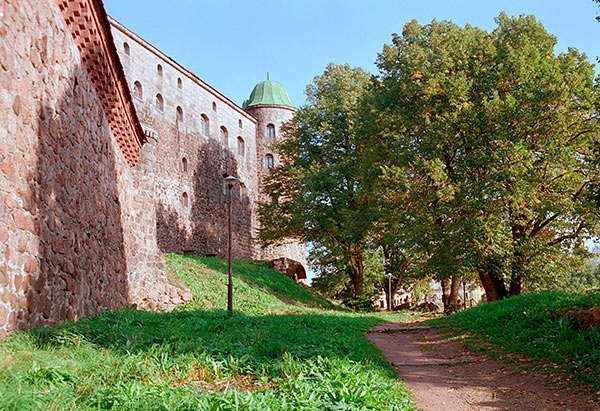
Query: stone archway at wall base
{"x": 292, "y": 268}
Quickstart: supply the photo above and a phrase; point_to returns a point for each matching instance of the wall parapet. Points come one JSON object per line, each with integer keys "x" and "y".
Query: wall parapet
{"x": 88, "y": 23}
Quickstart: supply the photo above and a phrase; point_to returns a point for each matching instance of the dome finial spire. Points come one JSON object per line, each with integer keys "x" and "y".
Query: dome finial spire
{"x": 268, "y": 75}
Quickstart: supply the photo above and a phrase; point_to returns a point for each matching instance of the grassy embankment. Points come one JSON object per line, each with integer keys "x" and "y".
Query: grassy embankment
{"x": 531, "y": 325}
{"x": 272, "y": 354}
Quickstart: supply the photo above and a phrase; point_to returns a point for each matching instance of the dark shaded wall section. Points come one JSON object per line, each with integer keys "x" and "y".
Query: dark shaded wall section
{"x": 206, "y": 231}
{"x": 76, "y": 233}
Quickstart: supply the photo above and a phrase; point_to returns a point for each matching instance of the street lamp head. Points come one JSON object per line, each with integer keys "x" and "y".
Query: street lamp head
{"x": 230, "y": 180}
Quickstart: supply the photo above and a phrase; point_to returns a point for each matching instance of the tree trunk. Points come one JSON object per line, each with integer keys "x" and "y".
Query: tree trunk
{"x": 357, "y": 278}
{"x": 519, "y": 260}
{"x": 492, "y": 285}
{"x": 454, "y": 292}
{"x": 494, "y": 288}
{"x": 518, "y": 268}
{"x": 446, "y": 287}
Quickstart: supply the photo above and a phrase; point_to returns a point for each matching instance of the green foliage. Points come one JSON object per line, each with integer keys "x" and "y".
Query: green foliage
{"x": 530, "y": 324}
{"x": 318, "y": 191}
{"x": 583, "y": 280}
{"x": 358, "y": 302}
{"x": 492, "y": 138}
{"x": 268, "y": 355}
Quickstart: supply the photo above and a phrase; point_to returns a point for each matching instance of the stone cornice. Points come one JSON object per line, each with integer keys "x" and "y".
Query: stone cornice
{"x": 88, "y": 23}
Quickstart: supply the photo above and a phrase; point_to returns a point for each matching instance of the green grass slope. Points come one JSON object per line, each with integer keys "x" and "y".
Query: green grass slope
{"x": 274, "y": 353}
{"x": 530, "y": 324}
{"x": 257, "y": 288}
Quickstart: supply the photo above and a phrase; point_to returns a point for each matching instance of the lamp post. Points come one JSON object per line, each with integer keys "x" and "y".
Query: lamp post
{"x": 230, "y": 181}
{"x": 390, "y": 308}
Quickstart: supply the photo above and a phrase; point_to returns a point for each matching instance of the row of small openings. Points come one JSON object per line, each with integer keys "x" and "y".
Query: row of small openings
{"x": 160, "y": 105}
{"x": 204, "y": 121}
{"x": 159, "y": 71}
{"x": 241, "y": 151}
{"x": 159, "y": 68}
{"x": 243, "y": 192}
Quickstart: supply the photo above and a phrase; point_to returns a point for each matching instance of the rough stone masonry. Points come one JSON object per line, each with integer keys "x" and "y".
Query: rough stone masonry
{"x": 89, "y": 194}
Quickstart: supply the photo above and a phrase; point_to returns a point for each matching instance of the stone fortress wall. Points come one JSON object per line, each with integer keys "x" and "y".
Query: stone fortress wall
{"x": 197, "y": 136}
{"x": 74, "y": 238}
{"x": 105, "y": 163}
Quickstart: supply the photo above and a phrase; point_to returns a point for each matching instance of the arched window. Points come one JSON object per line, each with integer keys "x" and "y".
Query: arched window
{"x": 240, "y": 123}
{"x": 204, "y": 125}
{"x": 269, "y": 161}
{"x": 223, "y": 134}
{"x": 159, "y": 70}
{"x": 214, "y": 106}
{"x": 160, "y": 104}
{"x": 126, "y": 48}
{"x": 270, "y": 131}
{"x": 241, "y": 147}
{"x": 179, "y": 83}
{"x": 137, "y": 90}
{"x": 184, "y": 164}
{"x": 179, "y": 114}
{"x": 184, "y": 199}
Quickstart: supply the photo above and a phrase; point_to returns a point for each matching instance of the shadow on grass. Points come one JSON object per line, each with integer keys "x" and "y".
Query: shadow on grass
{"x": 261, "y": 274}
{"x": 261, "y": 338}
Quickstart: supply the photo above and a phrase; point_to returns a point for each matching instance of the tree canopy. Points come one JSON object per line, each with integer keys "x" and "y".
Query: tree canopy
{"x": 318, "y": 193}
{"x": 471, "y": 153}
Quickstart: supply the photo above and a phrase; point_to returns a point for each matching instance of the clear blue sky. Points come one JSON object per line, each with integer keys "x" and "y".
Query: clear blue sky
{"x": 231, "y": 44}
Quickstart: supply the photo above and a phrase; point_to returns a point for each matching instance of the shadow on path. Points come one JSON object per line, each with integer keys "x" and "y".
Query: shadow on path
{"x": 445, "y": 376}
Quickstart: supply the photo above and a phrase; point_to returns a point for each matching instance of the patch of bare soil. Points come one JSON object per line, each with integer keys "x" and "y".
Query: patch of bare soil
{"x": 443, "y": 375}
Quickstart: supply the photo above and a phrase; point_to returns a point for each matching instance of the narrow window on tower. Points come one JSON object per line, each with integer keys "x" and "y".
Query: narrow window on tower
{"x": 159, "y": 70}
{"x": 126, "y": 48}
{"x": 179, "y": 114}
{"x": 160, "y": 104}
{"x": 269, "y": 161}
{"x": 270, "y": 131}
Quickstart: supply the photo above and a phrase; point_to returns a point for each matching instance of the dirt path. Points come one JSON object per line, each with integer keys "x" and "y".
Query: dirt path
{"x": 444, "y": 376}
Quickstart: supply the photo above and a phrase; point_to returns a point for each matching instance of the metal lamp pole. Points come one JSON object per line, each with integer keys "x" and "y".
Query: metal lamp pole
{"x": 230, "y": 181}
{"x": 390, "y": 308}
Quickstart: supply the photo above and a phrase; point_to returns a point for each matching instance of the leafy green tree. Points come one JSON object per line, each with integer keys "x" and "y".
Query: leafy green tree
{"x": 585, "y": 279}
{"x": 318, "y": 193}
{"x": 492, "y": 137}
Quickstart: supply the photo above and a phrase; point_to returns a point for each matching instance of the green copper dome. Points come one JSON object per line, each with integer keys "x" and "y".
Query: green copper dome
{"x": 268, "y": 92}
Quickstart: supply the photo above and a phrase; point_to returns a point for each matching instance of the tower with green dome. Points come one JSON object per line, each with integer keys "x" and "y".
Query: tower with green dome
{"x": 271, "y": 106}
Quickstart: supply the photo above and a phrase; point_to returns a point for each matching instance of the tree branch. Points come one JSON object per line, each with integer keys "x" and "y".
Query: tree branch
{"x": 574, "y": 234}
